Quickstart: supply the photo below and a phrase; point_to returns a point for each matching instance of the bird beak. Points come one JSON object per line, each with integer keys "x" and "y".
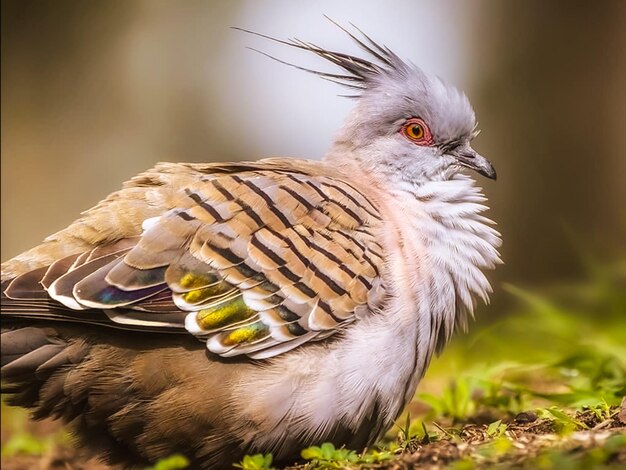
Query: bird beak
{"x": 469, "y": 158}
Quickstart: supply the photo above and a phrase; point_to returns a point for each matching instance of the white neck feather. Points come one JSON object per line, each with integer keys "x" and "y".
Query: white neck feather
{"x": 438, "y": 251}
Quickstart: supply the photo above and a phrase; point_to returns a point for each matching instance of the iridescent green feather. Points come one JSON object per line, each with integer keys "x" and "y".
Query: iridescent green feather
{"x": 197, "y": 296}
{"x": 226, "y": 313}
{"x": 247, "y": 334}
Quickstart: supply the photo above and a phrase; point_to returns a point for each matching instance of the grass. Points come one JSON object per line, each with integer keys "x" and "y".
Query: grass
{"x": 541, "y": 387}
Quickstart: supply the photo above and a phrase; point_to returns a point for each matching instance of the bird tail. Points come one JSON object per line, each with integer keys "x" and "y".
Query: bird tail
{"x": 35, "y": 363}
{"x": 50, "y": 375}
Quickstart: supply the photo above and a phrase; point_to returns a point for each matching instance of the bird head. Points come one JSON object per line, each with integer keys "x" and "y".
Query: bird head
{"x": 412, "y": 125}
{"x": 406, "y": 124}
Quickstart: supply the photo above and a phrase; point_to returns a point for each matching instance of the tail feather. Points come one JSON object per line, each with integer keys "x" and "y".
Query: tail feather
{"x": 18, "y": 343}
{"x": 27, "y": 365}
{"x": 32, "y": 360}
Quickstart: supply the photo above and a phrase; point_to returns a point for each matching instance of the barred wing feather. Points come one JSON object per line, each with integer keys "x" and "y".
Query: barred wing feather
{"x": 254, "y": 262}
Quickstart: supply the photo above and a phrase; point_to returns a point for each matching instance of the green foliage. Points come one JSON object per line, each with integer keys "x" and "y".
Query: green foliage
{"x": 563, "y": 422}
{"x": 256, "y": 462}
{"x": 375, "y": 456}
{"x": 455, "y": 401}
{"x": 21, "y": 440}
{"x": 412, "y": 434}
{"x": 174, "y": 462}
{"x": 567, "y": 349}
{"x": 405, "y": 434}
{"x": 597, "y": 458}
{"x": 26, "y": 444}
{"x": 476, "y": 391}
{"x": 496, "y": 429}
{"x": 462, "y": 464}
{"x": 327, "y": 456}
{"x": 495, "y": 448}
{"x": 561, "y": 353}
{"x": 601, "y": 410}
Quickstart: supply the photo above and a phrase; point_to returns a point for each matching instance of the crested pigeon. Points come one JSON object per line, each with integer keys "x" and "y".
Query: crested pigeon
{"x": 221, "y": 309}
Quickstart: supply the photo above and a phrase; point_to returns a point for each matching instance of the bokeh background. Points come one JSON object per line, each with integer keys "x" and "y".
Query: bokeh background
{"x": 95, "y": 92}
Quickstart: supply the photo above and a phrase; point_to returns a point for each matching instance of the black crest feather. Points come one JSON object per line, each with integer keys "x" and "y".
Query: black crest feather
{"x": 360, "y": 72}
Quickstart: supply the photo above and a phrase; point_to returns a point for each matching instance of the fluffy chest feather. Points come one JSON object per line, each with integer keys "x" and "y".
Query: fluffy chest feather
{"x": 436, "y": 258}
{"x": 436, "y": 244}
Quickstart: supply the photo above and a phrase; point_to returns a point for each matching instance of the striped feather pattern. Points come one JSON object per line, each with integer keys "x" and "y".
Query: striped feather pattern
{"x": 255, "y": 262}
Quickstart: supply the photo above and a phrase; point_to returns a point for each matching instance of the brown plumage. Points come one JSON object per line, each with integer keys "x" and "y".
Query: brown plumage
{"x": 126, "y": 395}
{"x": 249, "y": 229}
{"x": 215, "y": 310}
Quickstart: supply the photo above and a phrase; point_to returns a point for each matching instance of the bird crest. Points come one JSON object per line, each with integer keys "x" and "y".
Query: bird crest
{"x": 360, "y": 73}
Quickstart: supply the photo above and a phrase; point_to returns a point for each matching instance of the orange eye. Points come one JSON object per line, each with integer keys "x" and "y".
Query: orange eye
{"x": 416, "y": 130}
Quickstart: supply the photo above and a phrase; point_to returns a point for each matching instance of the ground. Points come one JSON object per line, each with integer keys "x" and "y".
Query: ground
{"x": 542, "y": 387}
{"x": 527, "y": 441}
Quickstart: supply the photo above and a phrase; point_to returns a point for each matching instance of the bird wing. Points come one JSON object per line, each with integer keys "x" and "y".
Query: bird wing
{"x": 254, "y": 259}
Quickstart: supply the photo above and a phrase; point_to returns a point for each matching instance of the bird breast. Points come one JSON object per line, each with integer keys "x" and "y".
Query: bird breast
{"x": 436, "y": 243}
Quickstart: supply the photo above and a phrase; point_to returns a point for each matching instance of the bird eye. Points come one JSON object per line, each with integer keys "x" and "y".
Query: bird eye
{"x": 416, "y": 130}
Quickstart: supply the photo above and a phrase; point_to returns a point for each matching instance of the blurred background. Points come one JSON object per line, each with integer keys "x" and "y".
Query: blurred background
{"x": 95, "y": 92}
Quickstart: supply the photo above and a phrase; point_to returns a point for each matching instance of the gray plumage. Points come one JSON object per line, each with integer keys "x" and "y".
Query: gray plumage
{"x": 222, "y": 309}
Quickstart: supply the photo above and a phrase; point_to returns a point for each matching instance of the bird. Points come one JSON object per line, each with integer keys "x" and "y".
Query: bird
{"x": 216, "y": 310}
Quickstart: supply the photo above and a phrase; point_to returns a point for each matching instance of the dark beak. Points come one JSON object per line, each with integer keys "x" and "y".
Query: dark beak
{"x": 468, "y": 158}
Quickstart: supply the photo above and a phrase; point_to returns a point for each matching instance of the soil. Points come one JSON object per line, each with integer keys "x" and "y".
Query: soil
{"x": 528, "y": 441}
{"x": 527, "y": 437}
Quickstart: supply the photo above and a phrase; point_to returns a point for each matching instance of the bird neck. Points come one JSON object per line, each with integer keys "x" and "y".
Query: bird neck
{"x": 364, "y": 164}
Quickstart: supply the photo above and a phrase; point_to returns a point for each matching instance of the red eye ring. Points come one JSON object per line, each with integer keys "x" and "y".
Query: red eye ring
{"x": 416, "y": 130}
